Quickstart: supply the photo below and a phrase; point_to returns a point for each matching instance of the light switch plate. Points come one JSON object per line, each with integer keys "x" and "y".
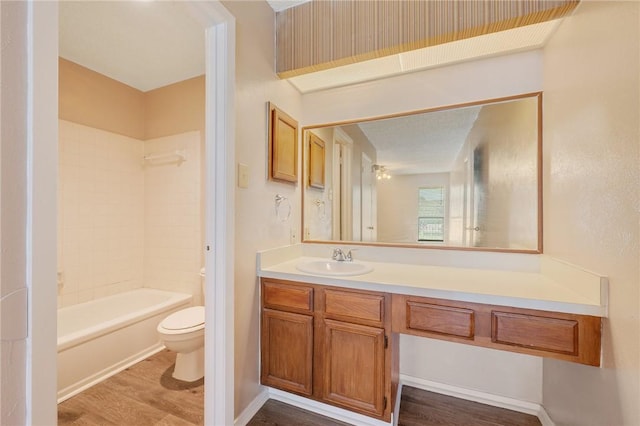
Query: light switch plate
{"x": 243, "y": 175}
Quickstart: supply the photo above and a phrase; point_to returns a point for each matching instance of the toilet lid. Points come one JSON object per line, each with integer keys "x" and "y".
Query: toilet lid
{"x": 185, "y": 318}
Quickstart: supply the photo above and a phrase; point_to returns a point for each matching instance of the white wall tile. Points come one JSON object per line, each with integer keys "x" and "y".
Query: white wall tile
{"x": 125, "y": 224}
{"x": 100, "y": 206}
{"x": 173, "y": 235}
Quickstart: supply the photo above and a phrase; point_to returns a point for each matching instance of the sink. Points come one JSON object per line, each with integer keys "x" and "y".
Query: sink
{"x": 334, "y": 268}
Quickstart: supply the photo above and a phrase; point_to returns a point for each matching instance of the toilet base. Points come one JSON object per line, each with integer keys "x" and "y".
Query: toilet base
{"x": 189, "y": 366}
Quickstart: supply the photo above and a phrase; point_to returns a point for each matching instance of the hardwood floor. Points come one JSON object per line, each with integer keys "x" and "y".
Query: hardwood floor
{"x": 146, "y": 394}
{"x": 422, "y": 408}
{"x": 276, "y": 413}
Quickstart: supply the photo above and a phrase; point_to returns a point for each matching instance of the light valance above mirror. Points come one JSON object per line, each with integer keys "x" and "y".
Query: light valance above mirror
{"x": 464, "y": 176}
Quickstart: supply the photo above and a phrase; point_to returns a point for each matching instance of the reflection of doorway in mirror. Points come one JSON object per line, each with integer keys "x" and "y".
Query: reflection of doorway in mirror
{"x": 479, "y": 197}
{"x": 368, "y": 211}
{"x": 342, "y": 195}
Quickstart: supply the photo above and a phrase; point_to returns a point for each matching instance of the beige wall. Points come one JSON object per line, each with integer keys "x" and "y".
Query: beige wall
{"x": 95, "y": 100}
{"x": 507, "y": 134}
{"x": 89, "y": 98}
{"x": 398, "y": 205}
{"x": 591, "y": 145}
{"x": 257, "y": 227}
{"x": 174, "y": 109}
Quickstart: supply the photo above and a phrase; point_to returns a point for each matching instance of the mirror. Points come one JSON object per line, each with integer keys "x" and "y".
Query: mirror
{"x": 465, "y": 176}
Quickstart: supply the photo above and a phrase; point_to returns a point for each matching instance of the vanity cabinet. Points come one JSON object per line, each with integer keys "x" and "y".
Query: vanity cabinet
{"x": 330, "y": 344}
{"x": 565, "y": 336}
{"x": 354, "y": 349}
{"x": 287, "y": 337}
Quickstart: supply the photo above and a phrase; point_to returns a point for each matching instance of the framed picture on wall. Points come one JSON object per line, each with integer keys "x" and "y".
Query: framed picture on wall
{"x": 283, "y": 146}
{"x": 316, "y": 161}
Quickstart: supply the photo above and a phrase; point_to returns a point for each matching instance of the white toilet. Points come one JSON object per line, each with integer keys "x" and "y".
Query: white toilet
{"x": 183, "y": 332}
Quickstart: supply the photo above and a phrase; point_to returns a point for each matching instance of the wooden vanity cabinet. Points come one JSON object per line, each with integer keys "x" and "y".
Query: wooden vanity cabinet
{"x": 353, "y": 362}
{"x": 354, "y": 349}
{"x": 287, "y": 337}
{"x": 570, "y": 337}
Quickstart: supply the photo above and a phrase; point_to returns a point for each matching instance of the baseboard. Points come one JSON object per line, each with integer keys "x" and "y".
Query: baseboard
{"x": 544, "y": 417}
{"x": 473, "y": 395}
{"x": 251, "y": 410}
{"x": 396, "y": 409}
{"x": 94, "y": 379}
{"x": 360, "y": 420}
{"x": 325, "y": 409}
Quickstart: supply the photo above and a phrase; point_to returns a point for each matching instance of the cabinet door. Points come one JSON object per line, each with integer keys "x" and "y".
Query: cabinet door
{"x": 287, "y": 351}
{"x": 354, "y": 366}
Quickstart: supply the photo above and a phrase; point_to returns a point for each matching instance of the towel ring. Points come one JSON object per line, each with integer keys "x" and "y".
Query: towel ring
{"x": 282, "y": 213}
{"x": 322, "y": 209}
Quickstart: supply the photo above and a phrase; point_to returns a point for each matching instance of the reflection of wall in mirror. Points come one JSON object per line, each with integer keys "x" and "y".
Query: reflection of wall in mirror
{"x": 398, "y": 206}
{"x": 508, "y": 135}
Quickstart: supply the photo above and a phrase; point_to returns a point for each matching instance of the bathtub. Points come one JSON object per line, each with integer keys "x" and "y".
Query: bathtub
{"x": 100, "y": 338}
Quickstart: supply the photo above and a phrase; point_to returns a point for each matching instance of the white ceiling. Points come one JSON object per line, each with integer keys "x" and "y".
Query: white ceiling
{"x": 144, "y": 44}
{"x": 417, "y": 143}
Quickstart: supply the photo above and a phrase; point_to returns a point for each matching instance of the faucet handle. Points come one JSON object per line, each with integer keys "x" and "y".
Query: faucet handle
{"x": 337, "y": 254}
{"x": 349, "y": 256}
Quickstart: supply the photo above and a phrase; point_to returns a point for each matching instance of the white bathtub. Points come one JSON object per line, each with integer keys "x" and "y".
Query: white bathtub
{"x": 97, "y": 339}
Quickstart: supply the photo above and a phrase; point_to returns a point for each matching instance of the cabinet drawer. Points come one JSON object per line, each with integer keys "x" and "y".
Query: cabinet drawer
{"x": 346, "y": 305}
{"x": 287, "y": 297}
{"x": 440, "y": 319}
{"x": 535, "y": 332}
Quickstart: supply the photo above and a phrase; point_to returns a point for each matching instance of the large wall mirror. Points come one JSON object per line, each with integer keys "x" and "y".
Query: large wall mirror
{"x": 465, "y": 176}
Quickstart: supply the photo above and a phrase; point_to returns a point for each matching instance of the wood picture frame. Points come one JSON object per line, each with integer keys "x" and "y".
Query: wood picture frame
{"x": 283, "y": 146}
{"x": 316, "y": 161}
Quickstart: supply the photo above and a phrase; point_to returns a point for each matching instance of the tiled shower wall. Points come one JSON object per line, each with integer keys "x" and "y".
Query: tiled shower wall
{"x": 118, "y": 216}
{"x": 172, "y": 223}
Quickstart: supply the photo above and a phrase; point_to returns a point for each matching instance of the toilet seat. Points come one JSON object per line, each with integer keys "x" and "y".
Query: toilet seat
{"x": 184, "y": 321}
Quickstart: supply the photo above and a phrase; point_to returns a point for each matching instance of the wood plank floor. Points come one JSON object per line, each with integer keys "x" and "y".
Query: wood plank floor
{"x": 146, "y": 394}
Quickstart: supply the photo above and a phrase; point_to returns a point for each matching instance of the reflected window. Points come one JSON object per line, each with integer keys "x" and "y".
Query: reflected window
{"x": 431, "y": 214}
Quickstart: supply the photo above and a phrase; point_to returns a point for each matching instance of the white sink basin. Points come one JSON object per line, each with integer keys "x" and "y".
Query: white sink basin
{"x": 333, "y": 268}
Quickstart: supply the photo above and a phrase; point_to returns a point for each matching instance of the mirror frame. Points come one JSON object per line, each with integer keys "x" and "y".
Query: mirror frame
{"x": 538, "y": 250}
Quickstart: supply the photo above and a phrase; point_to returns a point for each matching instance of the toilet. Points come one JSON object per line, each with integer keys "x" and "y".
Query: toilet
{"x": 183, "y": 332}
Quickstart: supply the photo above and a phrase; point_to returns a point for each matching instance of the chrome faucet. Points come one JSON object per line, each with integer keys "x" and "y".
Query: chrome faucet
{"x": 341, "y": 256}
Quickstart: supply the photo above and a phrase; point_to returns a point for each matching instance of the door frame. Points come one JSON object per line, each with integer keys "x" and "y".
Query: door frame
{"x": 41, "y": 118}
{"x": 366, "y": 173}
{"x": 342, "y": 201}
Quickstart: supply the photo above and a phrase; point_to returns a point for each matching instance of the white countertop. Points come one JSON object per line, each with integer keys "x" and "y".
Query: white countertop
{"x": 552, "y": 289}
